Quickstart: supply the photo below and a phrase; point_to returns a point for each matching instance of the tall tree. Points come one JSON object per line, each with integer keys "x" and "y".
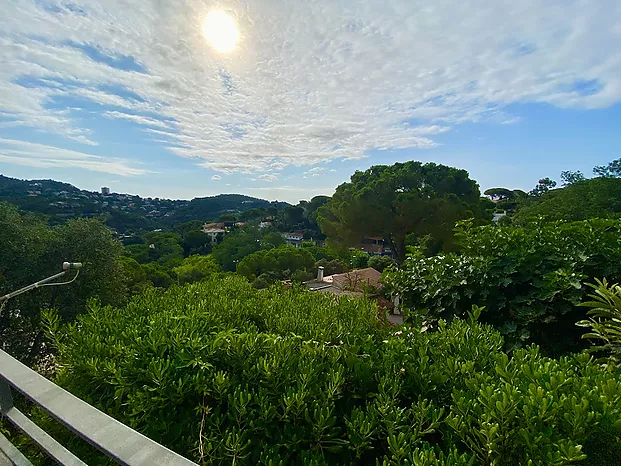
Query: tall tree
{"x": 568, "y": 177}
{"x": 394, "y": 201}
{"x": 499, "y": 193}
{"x": 31, "y": 251}
{"x": 612, "y": 170}
{"x": 235, "y": 246}
{"x": 543, "y": 186}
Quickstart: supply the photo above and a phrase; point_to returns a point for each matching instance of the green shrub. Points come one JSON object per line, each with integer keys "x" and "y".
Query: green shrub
{"x": 224, "y": 374}
{"x": 605, "y": 321}
{"x": 282, "y": 262}
{"x": 195, "y": 268}
{"x": 332, "y": 267}
{"x": 530, "y": 280}
{"x": 379, "y": 263}
{"x": 358, "y": 259}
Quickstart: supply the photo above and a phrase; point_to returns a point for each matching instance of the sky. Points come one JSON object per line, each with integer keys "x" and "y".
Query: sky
{"x": 137, "y": 96}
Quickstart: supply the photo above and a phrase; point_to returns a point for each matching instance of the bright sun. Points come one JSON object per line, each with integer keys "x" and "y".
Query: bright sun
{"x": 221, "y": 32}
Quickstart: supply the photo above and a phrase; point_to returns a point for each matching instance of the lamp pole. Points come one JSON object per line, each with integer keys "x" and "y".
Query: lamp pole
{"x": 67, "y": 266}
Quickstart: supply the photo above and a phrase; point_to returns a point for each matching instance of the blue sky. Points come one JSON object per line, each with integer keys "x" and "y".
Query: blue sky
{"x": 131, "y": 94}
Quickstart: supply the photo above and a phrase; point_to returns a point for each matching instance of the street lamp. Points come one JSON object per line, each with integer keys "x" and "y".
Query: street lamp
{"x": 67, "y": 266}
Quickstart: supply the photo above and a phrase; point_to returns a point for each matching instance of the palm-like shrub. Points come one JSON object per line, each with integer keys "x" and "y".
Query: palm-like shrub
{"x": 605, "y": 321}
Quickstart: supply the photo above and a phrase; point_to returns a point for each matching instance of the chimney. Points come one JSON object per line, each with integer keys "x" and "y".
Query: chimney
{"x": 320, "y": 274}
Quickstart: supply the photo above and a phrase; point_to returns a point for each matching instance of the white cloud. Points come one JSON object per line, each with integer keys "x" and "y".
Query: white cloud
{"x": 141, "y": 120}
{"x": 43, "y": 156}
{"x": 268, "y": 177}
{"x": 315, "y": 171}
{"x": 216, "y": 177}
{"x": 310, "y": 81}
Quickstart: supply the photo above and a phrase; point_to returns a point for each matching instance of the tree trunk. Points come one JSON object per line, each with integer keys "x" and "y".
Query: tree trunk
{"x": 398, "y": 245}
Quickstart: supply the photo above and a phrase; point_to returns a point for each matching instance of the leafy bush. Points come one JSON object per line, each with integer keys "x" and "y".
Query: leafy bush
{"x": 195, "y": 268}
{"x": 282, "y": 262}
{"x": 226, "y": 374}
{"x": 605, "y": 321}
{"x": 379, "y": 263}
{"x": 358, "y": 259}
{"x": 528, "y": 279}
{"x": 331, "y": 267}
{"x": 598, "y": 197}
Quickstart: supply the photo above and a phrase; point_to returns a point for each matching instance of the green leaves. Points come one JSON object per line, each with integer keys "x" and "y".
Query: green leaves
{"x": 32, "y": 250}
{"x": 227, "y": 374}
{"x": 394, "y": 201}
{"x": 530, "y": 280}
{"x": 605, "y": 321}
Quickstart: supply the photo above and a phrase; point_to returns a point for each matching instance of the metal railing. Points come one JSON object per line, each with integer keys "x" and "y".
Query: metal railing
{"x": 117, "y": 441}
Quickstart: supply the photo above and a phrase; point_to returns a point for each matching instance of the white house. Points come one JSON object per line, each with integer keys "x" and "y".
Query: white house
{"x": 294, "y": 239}
{"x": 214, "y": 231}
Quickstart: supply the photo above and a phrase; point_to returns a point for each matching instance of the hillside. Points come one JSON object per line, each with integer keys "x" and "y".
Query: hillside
{"x": 123, "y": 212}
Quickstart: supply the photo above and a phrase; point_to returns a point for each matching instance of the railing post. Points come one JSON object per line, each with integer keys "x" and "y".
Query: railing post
{"x": 6, "y": 398}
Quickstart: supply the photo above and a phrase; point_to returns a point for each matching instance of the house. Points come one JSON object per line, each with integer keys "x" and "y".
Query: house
{"x": 294, "y": 239}
{"x": 212, "y": 225}
{"x": 356, "y": 280}
{"x": 353, "y": 283}
{"x": 372, "y": 244}
{"x": 214, "y": 231}
{"x": 263, "y": 225}
{"x": 356, "y": 284}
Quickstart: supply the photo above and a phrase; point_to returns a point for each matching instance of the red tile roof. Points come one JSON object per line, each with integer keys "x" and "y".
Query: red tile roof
{"x": 354, "y": 280}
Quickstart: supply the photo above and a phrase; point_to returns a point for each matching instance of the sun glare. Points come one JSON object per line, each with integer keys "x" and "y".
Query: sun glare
{"x": 221, "y": 32}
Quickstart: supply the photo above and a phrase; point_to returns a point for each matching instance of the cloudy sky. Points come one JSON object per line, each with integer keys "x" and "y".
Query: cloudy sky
{"x": 135, "y": 95}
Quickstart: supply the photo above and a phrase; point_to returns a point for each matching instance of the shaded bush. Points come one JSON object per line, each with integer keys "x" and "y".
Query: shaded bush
{"x": 379, "y": 263}
{"x": 530, "y": 280}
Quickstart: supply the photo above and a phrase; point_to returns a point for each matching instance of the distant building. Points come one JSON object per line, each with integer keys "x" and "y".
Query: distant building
{"x": 372, "y": 244}
{"x": 265, "y": 225}
{"x": 105, "y": 191}
{"x": 375, "y": 245}
{"x": 215, "y": 231}
{"x": 356, "y": 284}
{"x": 294, "y": 239}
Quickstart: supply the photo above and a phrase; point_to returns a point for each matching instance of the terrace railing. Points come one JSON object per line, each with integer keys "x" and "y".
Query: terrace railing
{"x": 119, "y": 442}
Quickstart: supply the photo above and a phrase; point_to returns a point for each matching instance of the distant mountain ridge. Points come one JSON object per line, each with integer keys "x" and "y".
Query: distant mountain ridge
{"x": 124, "y": 211}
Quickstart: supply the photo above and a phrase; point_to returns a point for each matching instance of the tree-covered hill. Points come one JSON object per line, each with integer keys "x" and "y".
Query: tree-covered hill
{"x": 123, "y": 212}
{"x": 213, "y": 207}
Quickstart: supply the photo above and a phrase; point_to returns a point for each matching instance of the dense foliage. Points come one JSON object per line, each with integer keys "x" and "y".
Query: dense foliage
{"x": 225, "y": 374}
{"x": 236, "y": 246}
{"x": 530, "y": 279}
{"x": 210, "y": 208}
{"x": 581, "y": 200}
{"x": 397, "y": 200}
{"x": 285, "y": 262}
{"x": 32, "y": 251}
